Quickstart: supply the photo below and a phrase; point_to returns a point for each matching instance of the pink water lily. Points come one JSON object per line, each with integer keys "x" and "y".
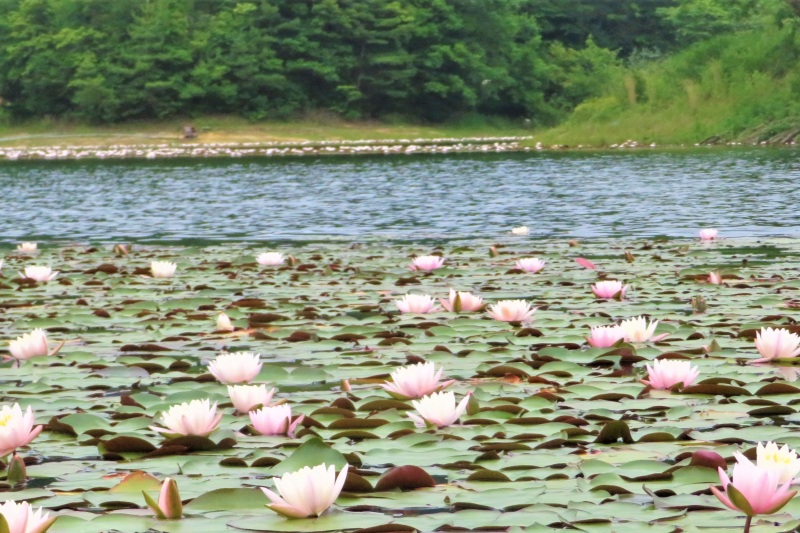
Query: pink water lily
{"x": 427, "y": 263}
{"x": 708, "y": 234}
{"x": 609, "y": 289}
{"x": 777, "y": 343}
{"x": 236, "y": 367}
{"x": 275, "y": 420}
{"x": 715, "y": 278}
{"x": 16, "y": 428}
{"x": 29, "y": 345}
{"x": 245, "y": 397}
{"x": 39, "y": 273}
{"x": 751, "y": 489}
{"x": 605, "y": 336}
{"x": 530, "y": 264}
{"x": 307, "y": 492}
{"x": 416, "y": 303}
{"x": 416, "y": 381}
{"x": 668, "y": 372}
{"x": 169, "y": 505}
{"x": 197, "y": 417}
{"x": 462, "y": 302}
{"x": 511, "y": 311}
{"x": 21, "y": 518}
{"x": 438, "y": 409}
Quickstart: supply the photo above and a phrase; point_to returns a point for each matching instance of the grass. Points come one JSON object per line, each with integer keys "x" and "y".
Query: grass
{"x": 228, "y": 129}
{"x": 736, "y": 87}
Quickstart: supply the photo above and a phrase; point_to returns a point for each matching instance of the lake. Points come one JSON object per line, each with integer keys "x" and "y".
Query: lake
{"x": 742, "y": 191}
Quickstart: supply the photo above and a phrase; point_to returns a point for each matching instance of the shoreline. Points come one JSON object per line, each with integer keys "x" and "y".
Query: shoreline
{"x": 217, "y": 150}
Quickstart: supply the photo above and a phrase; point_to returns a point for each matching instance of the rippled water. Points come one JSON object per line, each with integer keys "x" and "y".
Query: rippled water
{"x": 744, "y": 192}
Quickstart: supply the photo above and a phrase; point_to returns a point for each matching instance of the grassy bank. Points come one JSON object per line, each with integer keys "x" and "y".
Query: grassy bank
{"x": 732, "y": 88}
{"x": 227, "y": 129}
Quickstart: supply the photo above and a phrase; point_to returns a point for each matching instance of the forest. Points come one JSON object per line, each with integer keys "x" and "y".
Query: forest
{"x": 538, "y": 61}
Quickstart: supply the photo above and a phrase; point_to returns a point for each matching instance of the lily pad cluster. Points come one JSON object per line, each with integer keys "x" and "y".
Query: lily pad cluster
{"x": 557, "y": 434}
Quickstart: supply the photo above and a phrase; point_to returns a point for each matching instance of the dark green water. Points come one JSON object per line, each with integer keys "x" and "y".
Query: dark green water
{"x": 743, "y": 192}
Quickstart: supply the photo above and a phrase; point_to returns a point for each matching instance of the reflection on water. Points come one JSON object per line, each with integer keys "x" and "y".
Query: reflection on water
{"x": 741, "y": 191}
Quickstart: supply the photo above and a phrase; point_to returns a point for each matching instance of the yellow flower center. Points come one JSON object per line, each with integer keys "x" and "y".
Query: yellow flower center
{"x": 4, "y": 420}
{"x": 778, "y": 458}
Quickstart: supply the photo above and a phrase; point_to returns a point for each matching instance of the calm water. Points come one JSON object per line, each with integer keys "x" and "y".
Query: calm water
{"x": 743, "y": 192}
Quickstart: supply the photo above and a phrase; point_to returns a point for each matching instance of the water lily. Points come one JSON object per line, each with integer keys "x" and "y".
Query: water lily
{"x": 27, "y": 247}
{"x": 520, "y": 230}
{"x": 197, "y": 417}
{"x": 459, "y": 302}
{"x": 224, "y": 323}
{"x": 638, "y": 330}
{"x": 270, "y": 259}
{"x": 427, "y": 263}
{"x": 530, "y": 264}
{"x": 162, "y": 269}
{"x": 415, "y": 303}
{"x": 777, "y": 343}
{"x": 715, "y": 278}
{"x": 781, "y": 460}
{"x": 21, "y": 518}
{"x": 668, "y": 372}
{"x": 236, "y": 367}
{"x": 29, "y": 345}
{"x": 245, "y": 397}
{"x": 708, "y": 234}
{"x": 16, "y": 428}
{"x": 438, "y": 409}
{"x": 415, "y": 381}
{"x": 307, "y": 492}
{"x": 752, "y": 489}
{"x": 169, "y": 505}
{"x": 511, "y": 311}
{"x": 609, "y": 289}
{"x": 605, "y": 336}
{"x": 275, "y": 420}
{"x": 39, "y": 273}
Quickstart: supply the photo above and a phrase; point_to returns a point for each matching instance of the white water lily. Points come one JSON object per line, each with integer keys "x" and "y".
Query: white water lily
{"x": 416, "y": 381}
{"x": 197, "y": 417}
{"x": 162, "y": 269}
{"x": 270, "y": 259}
{"x": 416, "y": 303}
{"x": 776, "y": 343}
{"x": 39, "y": 273}
{"x": 224, "y": 323}
{"x": 27, "y": 247}
{"x": 438, "y": 409}
{"x": 781, "y": 460}
{"x": 520, "y": 230}
{"x": 530, "y": 264}
{"x": 307, "y": 492}
{"x": 511, "y": 311}
{"x": 236, "y": 367}
{"x": 638, "y": 330}
{"x": 29, "y": 345}
{"x": 245, "y": 397}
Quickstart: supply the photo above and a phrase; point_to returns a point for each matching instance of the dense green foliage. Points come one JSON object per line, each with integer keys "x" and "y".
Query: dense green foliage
{"x": 426, "y": 60}
{"x": 739, "y": 84}
{"x": 107, "y": 61}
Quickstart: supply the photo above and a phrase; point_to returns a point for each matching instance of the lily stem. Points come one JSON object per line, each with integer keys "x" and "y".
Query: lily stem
{"x": 747, "y": 524}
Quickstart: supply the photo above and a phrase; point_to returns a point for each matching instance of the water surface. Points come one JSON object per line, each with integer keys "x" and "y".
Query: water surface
{"x": 744, "y": 192}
